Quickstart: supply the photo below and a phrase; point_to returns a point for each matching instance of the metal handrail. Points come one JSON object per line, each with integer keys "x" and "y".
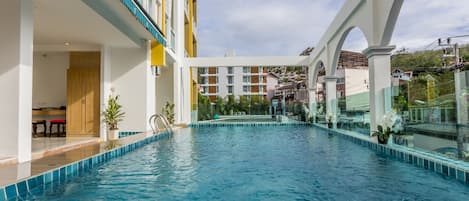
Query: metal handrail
{"x": 154, "y": 123}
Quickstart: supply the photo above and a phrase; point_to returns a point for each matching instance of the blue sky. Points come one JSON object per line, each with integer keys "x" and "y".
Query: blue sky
{"x": 281, "y": 27}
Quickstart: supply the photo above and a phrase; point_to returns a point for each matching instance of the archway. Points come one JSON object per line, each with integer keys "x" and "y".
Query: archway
{"x": 349, "y": 75}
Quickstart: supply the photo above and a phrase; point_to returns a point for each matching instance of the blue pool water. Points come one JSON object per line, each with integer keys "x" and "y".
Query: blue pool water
{"x": 255, "y": 163}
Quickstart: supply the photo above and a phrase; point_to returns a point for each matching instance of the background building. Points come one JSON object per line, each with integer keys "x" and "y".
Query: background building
{"x": 237, "y": 81}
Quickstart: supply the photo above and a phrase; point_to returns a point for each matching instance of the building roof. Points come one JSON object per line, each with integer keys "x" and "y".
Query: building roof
{"x": 347, "y": 59}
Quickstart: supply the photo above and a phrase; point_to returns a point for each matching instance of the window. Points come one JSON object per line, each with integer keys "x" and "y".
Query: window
{"x": 261, "y": 69}
{"x": 230, "y": 89}
{"x": 246, "y": 89}
{"x": 217, "y": 90}
{"x": 261, "y": 89}
{"x": 217, "y": 80}
{"x": 203, "y": 80}
{"x": 203, "y": 70}
{"x": 246, "y": 70}
{"x": 247, "y": 79}
{"x": 204, "y": 90}
{"x": 230, "y": 79}
{"x": 230, "y": 70}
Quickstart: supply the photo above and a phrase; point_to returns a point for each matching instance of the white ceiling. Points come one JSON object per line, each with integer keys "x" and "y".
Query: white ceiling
{"x": 72, "y": 21}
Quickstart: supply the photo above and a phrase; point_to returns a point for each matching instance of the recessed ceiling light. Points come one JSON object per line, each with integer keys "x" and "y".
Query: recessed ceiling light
{"x": 66, "y": 43}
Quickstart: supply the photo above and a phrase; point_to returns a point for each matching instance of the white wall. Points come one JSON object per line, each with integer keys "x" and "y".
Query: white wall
{"x": 129, "y": 80}
{"x": 164, "y": 87}
{"x": 356, "y": 90}
{"x": 272, "y": 81}
{"x": 16, "y": 58}
{"x": 356, "y": 81}
{"x": 50, "y": 79}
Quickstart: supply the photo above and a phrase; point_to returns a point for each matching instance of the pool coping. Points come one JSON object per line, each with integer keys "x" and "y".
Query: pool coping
{"x": 23, "y": 187}
{"x": 454, "y": 169}
{"x": 250, "y": 124}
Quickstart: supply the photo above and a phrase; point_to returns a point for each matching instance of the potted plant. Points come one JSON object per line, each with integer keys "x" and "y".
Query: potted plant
{"x": 168, "y": 112}
{"x": 112, "y": 116}
{"x": 392, "y": 124}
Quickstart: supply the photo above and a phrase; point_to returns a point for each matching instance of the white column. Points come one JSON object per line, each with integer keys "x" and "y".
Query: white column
{"x": 312, "y": 104}
{"x": 179, "y": 50}
{"x": 331, "y": 99}
{"x": 16, "y": 58}
{"x": 150, "y": 107}
{"x": 105, "y": 87}
{"x": 379, "y": 65}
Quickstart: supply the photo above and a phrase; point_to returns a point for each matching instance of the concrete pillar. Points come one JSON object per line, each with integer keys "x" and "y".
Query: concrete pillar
{"x": 331, "y": 99}
{"x": 16, "y": 58}
{"x": 150, "y": 94}
{"x": 312, "y": 104}
{"x": 105, "y": 87}
{"x": 379, "y": 65}
{"x": 180, "y": 54}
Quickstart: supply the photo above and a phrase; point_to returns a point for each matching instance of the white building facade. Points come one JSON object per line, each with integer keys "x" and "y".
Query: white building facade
{"x": 73, "y": 55}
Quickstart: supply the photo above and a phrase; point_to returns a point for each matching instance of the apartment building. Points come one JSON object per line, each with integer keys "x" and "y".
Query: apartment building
{"x": 71, "y": 56}
{"x": 238, "y": 81}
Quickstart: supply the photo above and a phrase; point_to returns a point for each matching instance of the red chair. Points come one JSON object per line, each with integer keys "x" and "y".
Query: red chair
{"x": 60, "y": 125}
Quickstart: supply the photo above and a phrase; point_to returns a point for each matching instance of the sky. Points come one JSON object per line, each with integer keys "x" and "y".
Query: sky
{"x": 286, "y": 27}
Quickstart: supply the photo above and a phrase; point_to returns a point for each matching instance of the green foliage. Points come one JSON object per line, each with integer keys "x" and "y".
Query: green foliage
{"x": 383, "y": 135}
{"x": 251, "y": 105}
{"x": 168, "y": 111}
{"x": 204, "y": 112}
{"x": 113, "y": 113}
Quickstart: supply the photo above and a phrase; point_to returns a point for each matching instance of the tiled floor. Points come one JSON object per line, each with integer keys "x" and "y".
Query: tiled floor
{"x": 45, "y": 146}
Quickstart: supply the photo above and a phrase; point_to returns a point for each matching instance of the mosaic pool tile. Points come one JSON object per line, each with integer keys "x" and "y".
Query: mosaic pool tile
{"x": 452, "y": 172}
{"x": 22, "y": 188}
{"x": 2, "y": 194}
{"x": 460, "y": 175}
{"x": 11, "y": 191}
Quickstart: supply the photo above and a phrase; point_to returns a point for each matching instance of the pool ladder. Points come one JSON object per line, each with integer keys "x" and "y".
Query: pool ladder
{"x": 154, "y": 123}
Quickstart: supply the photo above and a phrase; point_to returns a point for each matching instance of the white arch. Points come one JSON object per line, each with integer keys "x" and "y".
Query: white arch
{"x": 330, "y": 70}
{"x": 376, "y": 20}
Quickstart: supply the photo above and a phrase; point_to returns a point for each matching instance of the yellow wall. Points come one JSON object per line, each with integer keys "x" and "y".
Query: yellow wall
{"x": 191, "y": 48}
{"x": 158, "y": 56}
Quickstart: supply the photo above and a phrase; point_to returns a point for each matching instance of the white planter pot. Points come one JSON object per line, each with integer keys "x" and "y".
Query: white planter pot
{"x": 113, "y": 134}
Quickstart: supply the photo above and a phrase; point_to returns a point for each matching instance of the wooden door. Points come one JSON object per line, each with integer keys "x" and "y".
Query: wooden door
{"x": 91, "y": 93}
{"x": 74, "y": 102}
{"x": 83, "y": 94}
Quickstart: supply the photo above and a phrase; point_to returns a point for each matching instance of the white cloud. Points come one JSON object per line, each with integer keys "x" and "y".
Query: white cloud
{"x": 280, "y": 27}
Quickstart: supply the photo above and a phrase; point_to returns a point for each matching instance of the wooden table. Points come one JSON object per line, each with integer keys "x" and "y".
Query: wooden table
{"x": 48, "y": 112}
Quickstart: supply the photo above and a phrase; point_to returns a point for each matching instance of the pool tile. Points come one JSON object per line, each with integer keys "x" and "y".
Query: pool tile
{"x": 432, "y": 166}
{"x": 55, "y": 175}
{"x": 2, "y": 194}
{"x": 460, "y": 175}
{"x": 452, "y": 172}
{"x": 22, "y": 188}
{"x": 68, "y": 170}
{"x": 467, "y": 178}
{"x": 48, "y": 177}
{"x": 62, "y": 173}
{"x": 438, "y": 168}
{"x": 40, "y": 179}
{"x": 32, "y": 183}
{"x": 11, "y": 192}
{"x": 444, "y": 169}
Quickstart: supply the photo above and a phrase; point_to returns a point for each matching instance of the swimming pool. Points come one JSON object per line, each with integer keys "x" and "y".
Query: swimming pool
{"x": 255, "y": 163}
